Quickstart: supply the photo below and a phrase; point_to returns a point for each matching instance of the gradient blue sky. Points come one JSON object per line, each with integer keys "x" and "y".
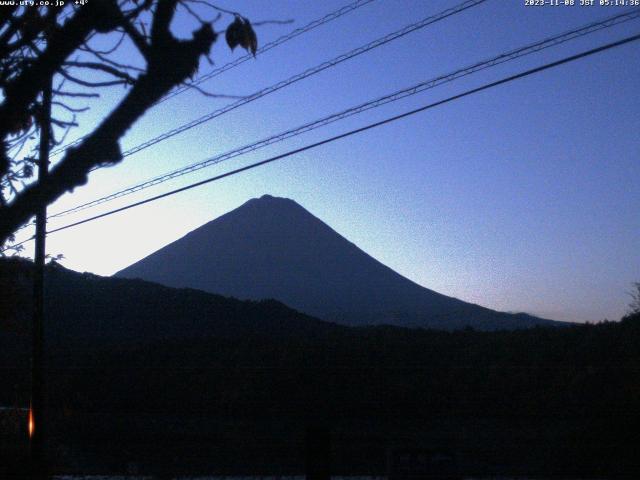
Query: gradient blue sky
{"x": 522, "y": 198}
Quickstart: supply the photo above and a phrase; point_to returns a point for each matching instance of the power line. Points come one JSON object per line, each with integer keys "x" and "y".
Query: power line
{"x": 305, "y": 74}
{"x": 406, "y": 92}
{"x": 234, "y": 63}
{"x": 349, "y": 133}
{"x": 362, "y": 129}
{"x": 268, "y": 46}
{"x": 14, "y": 245}
{"x": 312, "y": 71}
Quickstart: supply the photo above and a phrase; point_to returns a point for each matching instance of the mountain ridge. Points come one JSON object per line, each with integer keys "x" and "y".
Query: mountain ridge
{"x": 272, "y": 247}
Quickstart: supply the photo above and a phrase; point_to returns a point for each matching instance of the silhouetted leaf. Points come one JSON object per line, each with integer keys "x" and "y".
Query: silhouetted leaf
{"x": 240, "y": 32}
{"x": 249, "y": 40}
{"x": 234, "y": 32}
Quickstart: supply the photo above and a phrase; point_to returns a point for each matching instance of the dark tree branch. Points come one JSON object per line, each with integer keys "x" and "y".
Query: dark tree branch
{"x": 272, "y": 22}
{"x": 33, "y": 53}
{"x": 109, "y": 51}
{"x": 64, "y": 123}
{"x": 106, "y": 60}
{"x": 160, "y": 32}
{"x": 87, "y": 83}
{"x": 211, "y": 94}
{"x": 104, "y": 68}
{"x": 64, "y": 93}
{"x": 102, "y": 147}
{"x": 24, "y": 89}
{"x": 215, "y": 7}
{"x": 137, "y": 38}
{"x": 69, "y": 108}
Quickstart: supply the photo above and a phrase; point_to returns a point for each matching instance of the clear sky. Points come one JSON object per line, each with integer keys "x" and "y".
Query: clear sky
{"x": 522, "y": 198}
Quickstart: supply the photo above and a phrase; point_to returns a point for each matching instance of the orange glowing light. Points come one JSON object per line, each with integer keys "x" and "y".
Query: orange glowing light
{"x": 30, "y": 423}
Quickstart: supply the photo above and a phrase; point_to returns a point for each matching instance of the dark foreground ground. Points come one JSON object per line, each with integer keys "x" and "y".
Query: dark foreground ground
{"x": 142, "y": 378}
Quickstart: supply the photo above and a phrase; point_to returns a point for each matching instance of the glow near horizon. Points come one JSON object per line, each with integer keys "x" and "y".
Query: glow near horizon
{"x": 520, "y": 199}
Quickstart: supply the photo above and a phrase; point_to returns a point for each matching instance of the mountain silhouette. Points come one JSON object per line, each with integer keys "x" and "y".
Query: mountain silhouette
{"x": 271, "y": 247}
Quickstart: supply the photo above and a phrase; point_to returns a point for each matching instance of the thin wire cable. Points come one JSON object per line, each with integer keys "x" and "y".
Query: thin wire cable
{"x": 349, "y": 133}
{"x": 234, "y": 63}
{"x": 268, "y": 46}
{"x": 240, "y": 60}
{"x": 370, "y": 126}
{"x": 398, "y": 95}
{"x": 305, "y": 74}
{"x": 14, "y": 245}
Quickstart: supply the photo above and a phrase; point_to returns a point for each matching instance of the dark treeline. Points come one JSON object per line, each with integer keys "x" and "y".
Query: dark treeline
{"x": 187, "y": 381}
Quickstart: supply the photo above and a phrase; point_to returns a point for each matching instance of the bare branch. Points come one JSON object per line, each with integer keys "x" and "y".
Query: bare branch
{"x": 23, "y": 90}
{"x": 104, "y": 68}
{"x": 113, "y": 63}
{"x": 134, "y": 12}
{"x": 101, "y": 147}
{"x": 160, "y": 29}
{"x": 109, "y": 51}
{"x": 191, "y": 12}
{"x": 138, "y": 39}
{"x": 63, "y": 123}
{"x": 69, "y": 108}
{"x": 215, "y": 7}
{"x": 86, "y": 83}
{"x": 214, "y": 95}
{"x": 272, "y": 22}
{"x": 62, "y": 139}
{"x": 64, "y": 93}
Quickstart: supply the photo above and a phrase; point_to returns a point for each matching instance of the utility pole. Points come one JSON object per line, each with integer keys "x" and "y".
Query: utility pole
{"x": 38, "y": 420}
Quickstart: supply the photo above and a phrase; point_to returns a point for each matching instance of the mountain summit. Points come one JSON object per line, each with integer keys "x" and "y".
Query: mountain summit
{"x": 272, "y": 247}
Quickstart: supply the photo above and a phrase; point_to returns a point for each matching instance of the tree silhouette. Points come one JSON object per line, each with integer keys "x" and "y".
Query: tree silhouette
{"x": 634, "y": 305}
{"x": 39, "y": 45}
